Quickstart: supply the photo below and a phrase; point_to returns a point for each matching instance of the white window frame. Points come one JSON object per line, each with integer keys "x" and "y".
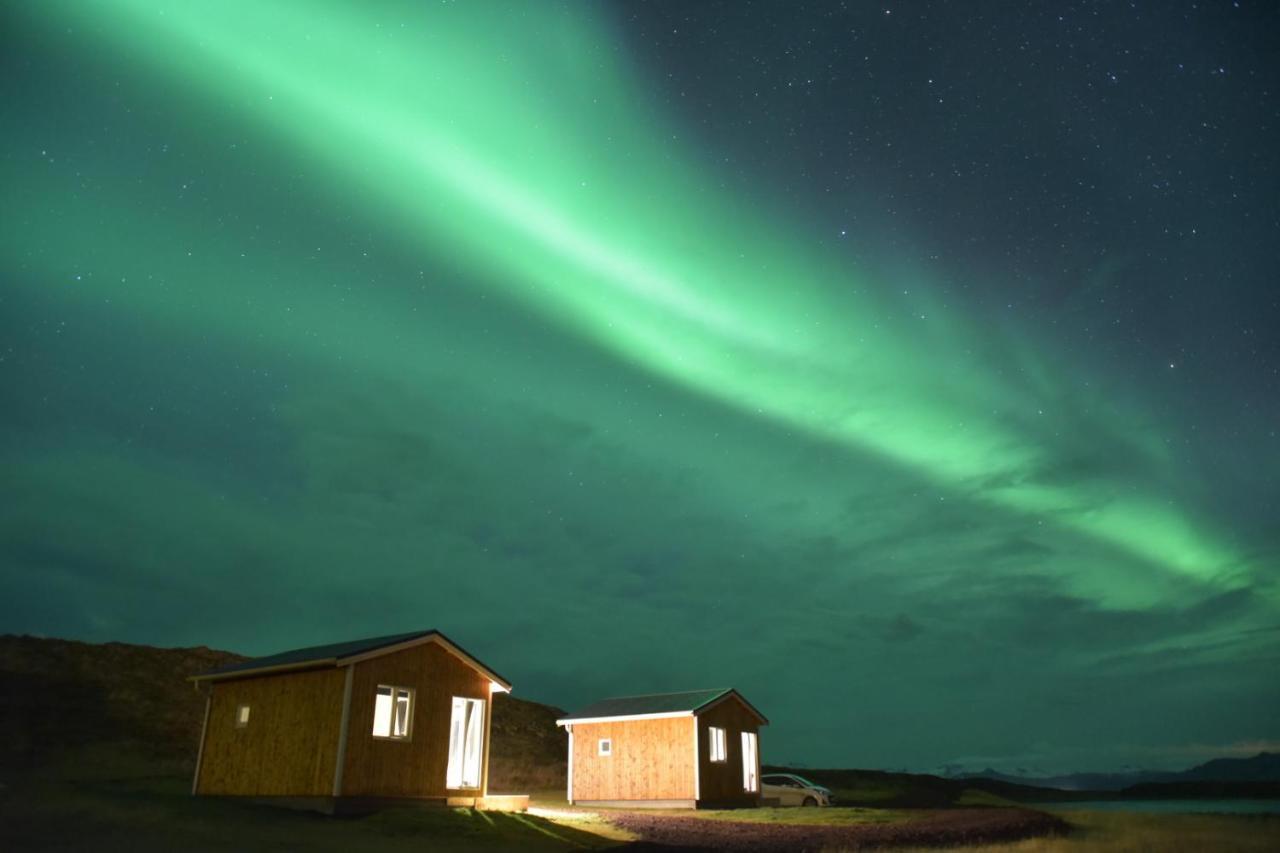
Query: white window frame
{"x": 397, "y": 692}
{"x": 242, "y": 716}
{"x": 750, "y": 763}
{"x": 718, "y": 744}
{"x": 604, "y": 747}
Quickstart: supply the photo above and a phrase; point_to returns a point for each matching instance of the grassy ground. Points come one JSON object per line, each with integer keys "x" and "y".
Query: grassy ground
{"x": 139, "y": 815}
{"x": 153, "y": 813}
{"x": 552, "y": 803}
{"x": 1131, "y": 832}
{"x": 835, "y": 816}
{"x": 1103, "y": 832}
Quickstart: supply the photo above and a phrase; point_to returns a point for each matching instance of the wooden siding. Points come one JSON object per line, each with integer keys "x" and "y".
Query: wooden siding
{"x": 377, "y": 767}
{"x": 651, "y": 760}
{"x": 290, "y": 744}
{"x": 721, "y": 781}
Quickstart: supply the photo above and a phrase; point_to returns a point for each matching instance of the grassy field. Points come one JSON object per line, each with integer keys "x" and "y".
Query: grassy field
{"x": 145, "y": 814}
{"x": 836, "y": 816}
{"x": 1104, "y": 832}
{"x": 552, "y": 802}
{"x": 1129, "y": 832}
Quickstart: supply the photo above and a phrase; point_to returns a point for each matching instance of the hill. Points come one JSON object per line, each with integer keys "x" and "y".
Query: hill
{"x": 122, "y": 708}
{"x": 883, "y": 789}
{"x": 880, "y": 789}
{"x": 1263, "y": 767}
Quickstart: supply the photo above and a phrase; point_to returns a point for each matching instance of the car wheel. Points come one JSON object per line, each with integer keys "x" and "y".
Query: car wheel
{"x": 809, "y": 801}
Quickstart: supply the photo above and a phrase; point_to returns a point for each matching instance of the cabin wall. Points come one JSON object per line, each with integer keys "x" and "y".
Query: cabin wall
{"x": 720, "y": 782}
{"x": 651, "y": 760}
{"x": 377, "y": 767}
{"x": 289, "y": 747}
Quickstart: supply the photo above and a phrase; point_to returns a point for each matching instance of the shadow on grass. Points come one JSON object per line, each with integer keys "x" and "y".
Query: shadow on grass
{"x": 144, "y": 814}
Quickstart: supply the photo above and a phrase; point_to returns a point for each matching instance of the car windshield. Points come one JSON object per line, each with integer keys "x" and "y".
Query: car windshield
{"x": 805, "y": 782}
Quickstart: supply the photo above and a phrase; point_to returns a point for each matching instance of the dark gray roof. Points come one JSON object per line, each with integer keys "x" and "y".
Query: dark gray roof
{"x": 656, "y": 703}
{"x": 331, "y": 654}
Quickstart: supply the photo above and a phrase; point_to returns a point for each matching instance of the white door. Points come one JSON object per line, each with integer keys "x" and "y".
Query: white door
{"x": 466, "y": 743}
{"x": 750, "y": 767}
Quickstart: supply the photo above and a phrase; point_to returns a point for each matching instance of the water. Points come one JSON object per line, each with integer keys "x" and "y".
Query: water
{"x": 1175, "y": 806}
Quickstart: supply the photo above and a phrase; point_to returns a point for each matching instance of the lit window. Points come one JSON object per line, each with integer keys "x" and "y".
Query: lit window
{"x": 242, "y": 716}
{"x": 392, "y": 712}
{"x": 750, "y": 763}
{"x": 466, "y": 743}
{"x": 719, "y": 750}
{"x": 605, "y": 747}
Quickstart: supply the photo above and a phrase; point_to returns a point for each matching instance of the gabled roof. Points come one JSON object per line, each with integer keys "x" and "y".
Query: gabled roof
{"x": 656, "y": 705}
{"x": 341, "y": 654}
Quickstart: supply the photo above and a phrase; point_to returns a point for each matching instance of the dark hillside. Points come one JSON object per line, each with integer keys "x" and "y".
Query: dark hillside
{"x": 881, "y": 789}
{"x": 60, "y": 696}
{"x": 529, "y": 751}
{"x": 1263, "y": 767}
{"x": 875, "y": 788}
{"x": 117, "y": 708}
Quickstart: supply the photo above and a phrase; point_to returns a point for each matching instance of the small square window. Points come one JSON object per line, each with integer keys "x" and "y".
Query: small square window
{"x": 719, "y": 750}
{"x": 605, "y": 746}
{"x": 392, "y": 712}
{"x": 242, "y": 716}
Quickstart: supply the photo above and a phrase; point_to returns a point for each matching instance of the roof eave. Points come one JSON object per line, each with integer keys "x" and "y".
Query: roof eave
{"x": 430, "y": 637}
{"x": 658, "y": 715}
{"x": 263, "y": 670}
{"x": 316, "y": 663}
{"x": 732, "y": 692}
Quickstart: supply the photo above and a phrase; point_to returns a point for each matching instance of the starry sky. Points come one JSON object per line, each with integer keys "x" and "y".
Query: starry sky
{"x": 912, "y": 367}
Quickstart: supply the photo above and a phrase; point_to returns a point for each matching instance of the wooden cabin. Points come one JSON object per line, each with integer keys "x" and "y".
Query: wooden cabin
{"x": 352, "y": 726}
{"x": 698, "y": 749}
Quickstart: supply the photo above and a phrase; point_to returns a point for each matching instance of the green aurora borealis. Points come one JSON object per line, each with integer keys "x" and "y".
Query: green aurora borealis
{"x": 329, "y": 320}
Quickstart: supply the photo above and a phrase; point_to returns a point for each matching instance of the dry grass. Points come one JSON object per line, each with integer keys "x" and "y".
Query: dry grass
{"x": 1134, "y": 832}
{"x": 836, "y": 816}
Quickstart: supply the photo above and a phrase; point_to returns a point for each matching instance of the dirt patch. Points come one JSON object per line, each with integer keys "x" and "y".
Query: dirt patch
{"x": 944, "y": 828}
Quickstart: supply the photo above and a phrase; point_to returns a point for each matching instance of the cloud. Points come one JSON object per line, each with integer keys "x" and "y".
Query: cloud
{"x": 902, "y": 629}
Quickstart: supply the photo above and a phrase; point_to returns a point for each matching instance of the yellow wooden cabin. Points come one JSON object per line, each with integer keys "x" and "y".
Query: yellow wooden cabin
{"x": 697, "y": 749}
{"x": 352, "y": 726}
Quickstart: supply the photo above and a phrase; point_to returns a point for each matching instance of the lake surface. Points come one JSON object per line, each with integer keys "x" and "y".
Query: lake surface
{"x": 1175, "y": 806}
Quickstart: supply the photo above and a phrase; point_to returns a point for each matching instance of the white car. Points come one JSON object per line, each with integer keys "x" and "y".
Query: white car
{"x": 788, "y": 789}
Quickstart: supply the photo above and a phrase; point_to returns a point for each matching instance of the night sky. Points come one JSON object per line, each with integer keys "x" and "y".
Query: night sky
{"x": 913, "y": 368}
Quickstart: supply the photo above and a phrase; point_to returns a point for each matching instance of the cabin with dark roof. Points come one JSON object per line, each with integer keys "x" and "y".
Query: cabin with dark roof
{"x": 696, "y": 749}
{"x": 352, "y": 726}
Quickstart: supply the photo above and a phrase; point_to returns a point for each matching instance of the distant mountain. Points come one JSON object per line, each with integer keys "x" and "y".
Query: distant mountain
{"x": 1263, "y": 767}
{"x": 117, "y": 707}
{"x": 891, "y": 789}
{"x": 1070, "y": 781}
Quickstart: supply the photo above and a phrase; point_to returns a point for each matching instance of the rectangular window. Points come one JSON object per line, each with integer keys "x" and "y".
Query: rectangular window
{"x": 466, "y": 743}
{"x": 719, "y": 749}
{"x": 242, "y": 716}
{"x": 392, "y": 712}
{"x": 750, "y": 763}
{"x": 605, "y": 747}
